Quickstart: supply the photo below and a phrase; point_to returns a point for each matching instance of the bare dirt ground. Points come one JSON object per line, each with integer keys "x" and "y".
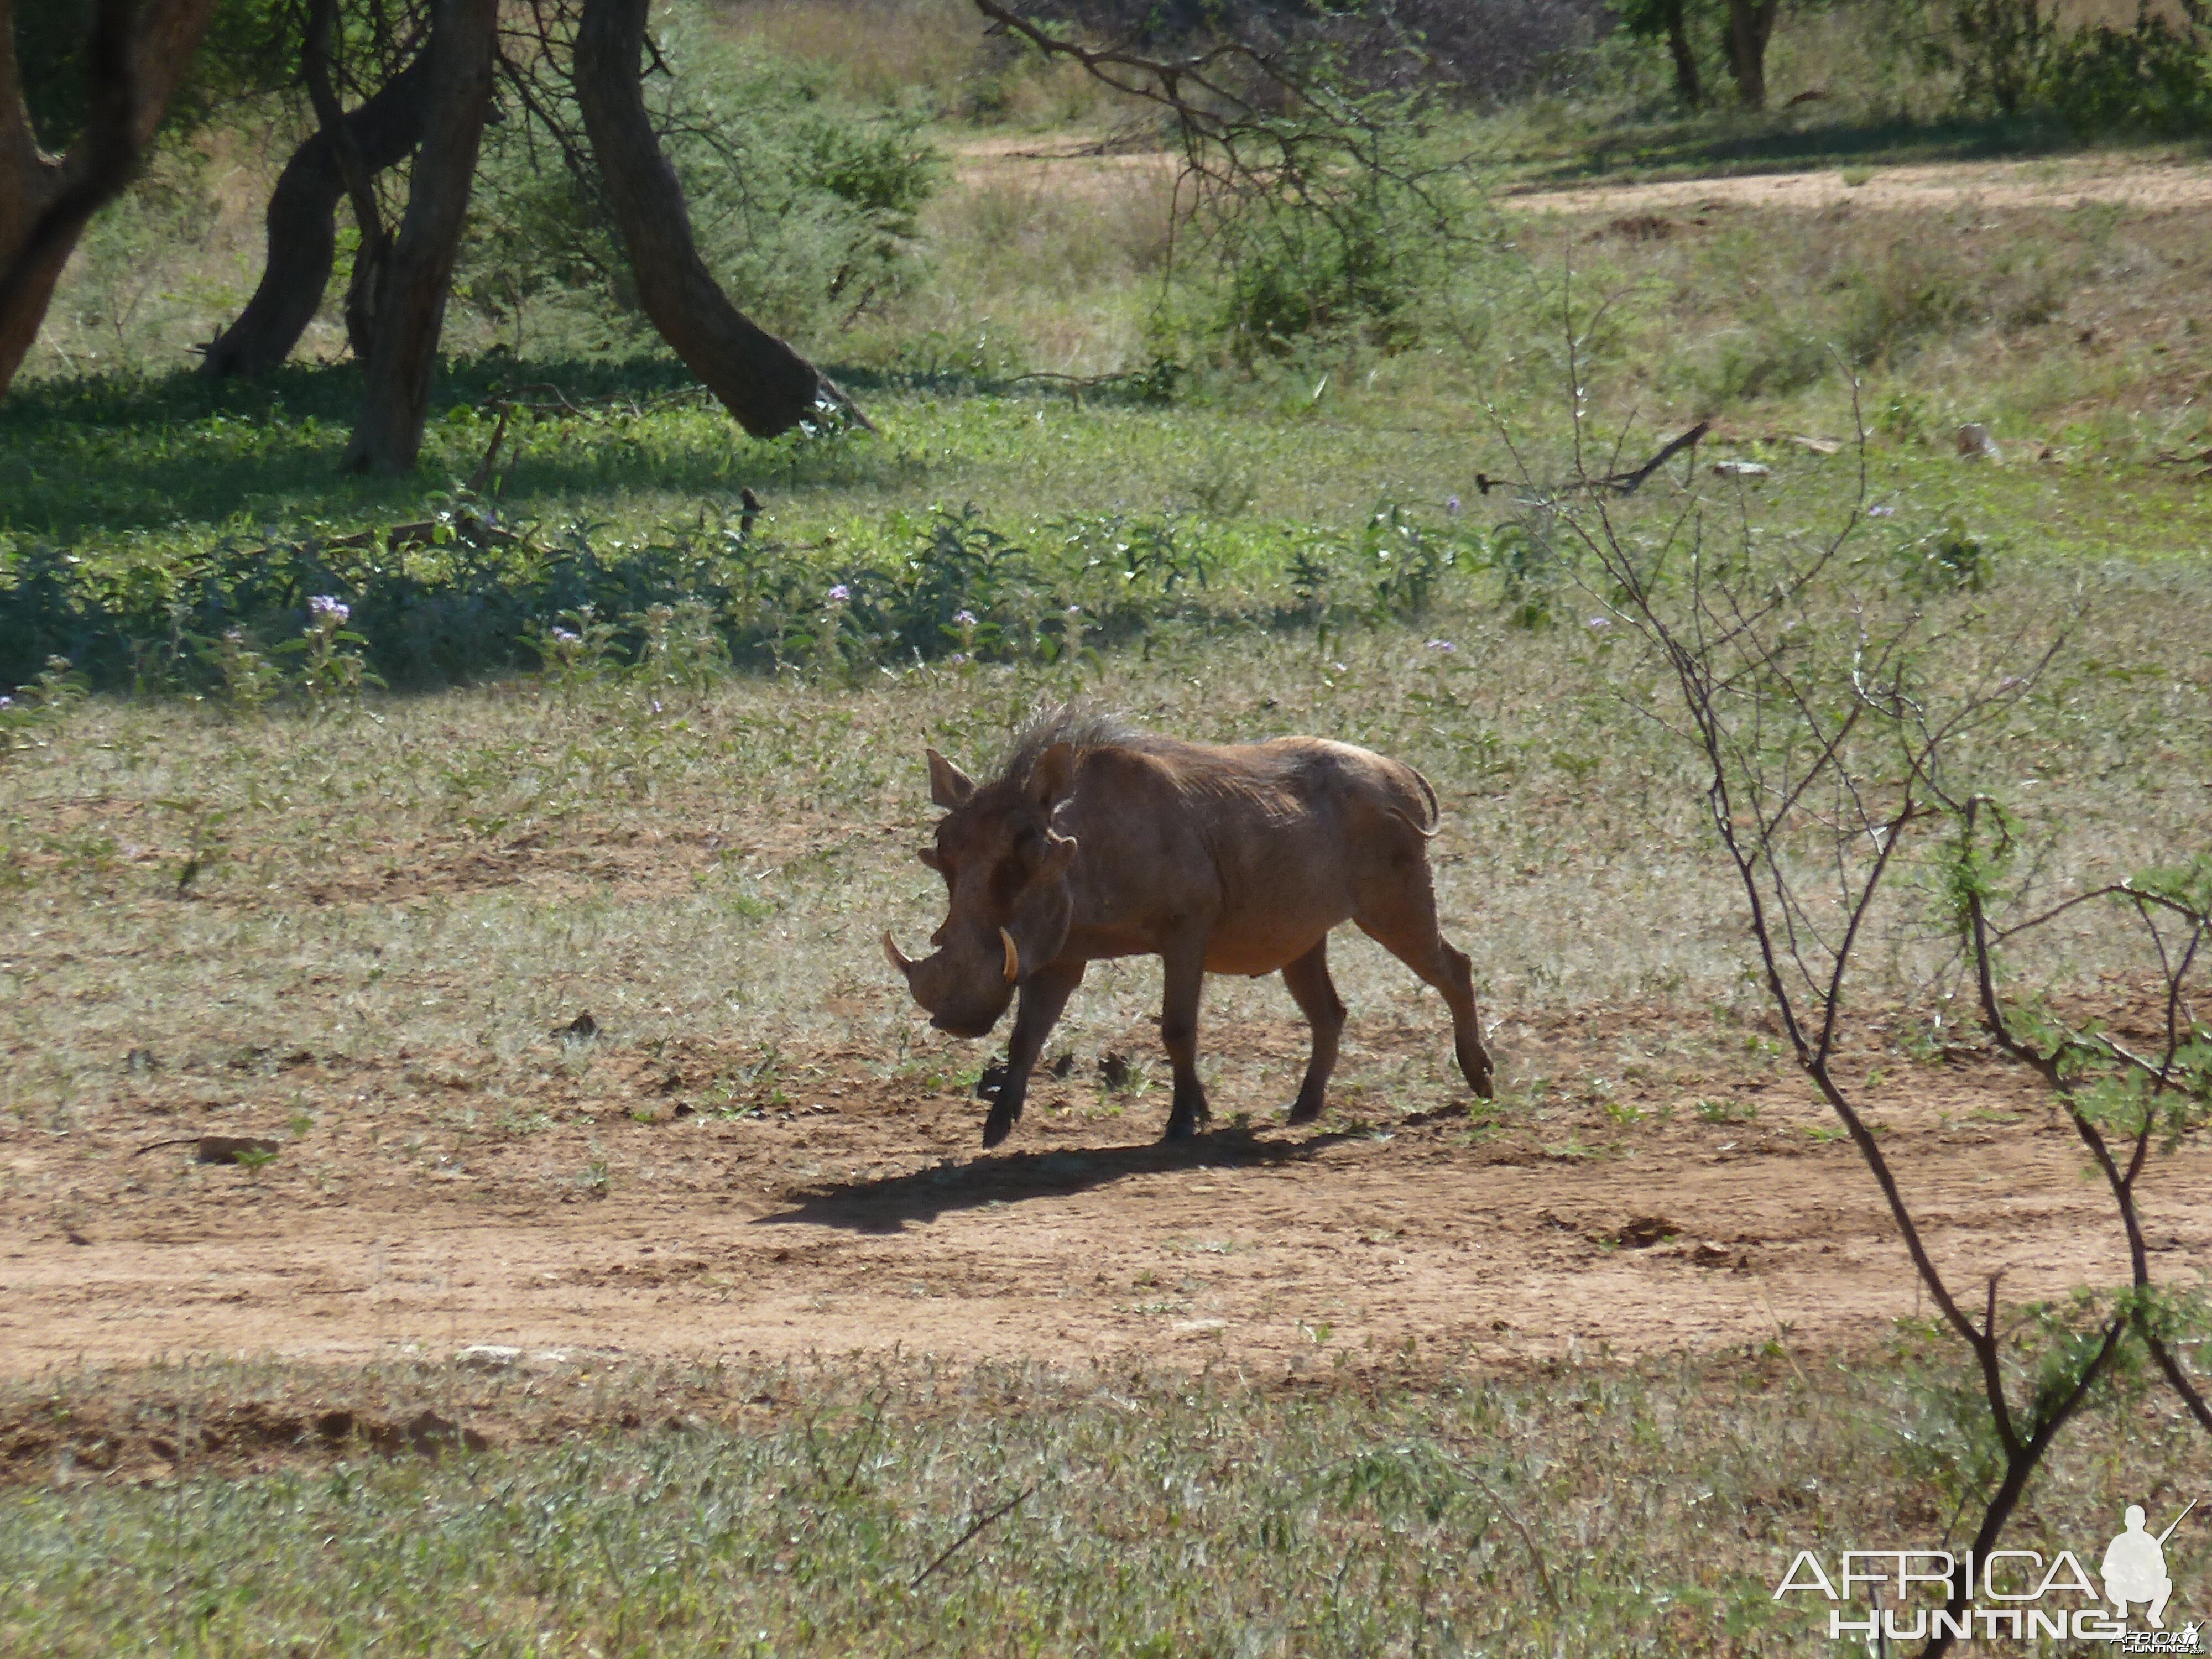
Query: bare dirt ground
{"x": 1091, "y": 169}
{"x": 1935, "y": 185}
{"x": 857, "y": 1217}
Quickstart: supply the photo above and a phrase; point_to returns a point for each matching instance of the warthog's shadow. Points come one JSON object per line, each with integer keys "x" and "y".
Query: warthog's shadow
{"x": 888, "y": 1205}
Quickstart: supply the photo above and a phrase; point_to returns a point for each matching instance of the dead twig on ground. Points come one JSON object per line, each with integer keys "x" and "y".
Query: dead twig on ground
{"x": 968, "y": 1536}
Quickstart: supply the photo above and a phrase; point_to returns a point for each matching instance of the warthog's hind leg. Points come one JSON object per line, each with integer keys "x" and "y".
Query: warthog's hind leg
{"x": 1184, "y": 962}
{"x": 1311, "y": 986}
{"x": 1044, "y": 994}
{"x": 1400, "y": 914}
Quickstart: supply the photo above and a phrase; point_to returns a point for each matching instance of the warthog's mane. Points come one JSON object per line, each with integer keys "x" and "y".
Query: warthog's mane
{"x": 1083, "y": 725}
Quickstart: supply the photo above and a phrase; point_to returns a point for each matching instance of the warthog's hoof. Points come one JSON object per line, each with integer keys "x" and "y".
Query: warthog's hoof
{"x": 1476, "y": 1068}
{"x": 1302, "y": 1113}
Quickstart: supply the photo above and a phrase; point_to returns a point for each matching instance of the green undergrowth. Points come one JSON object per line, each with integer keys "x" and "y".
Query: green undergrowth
{"x": 1371, "y": 1505}
{"x": 163, "y": 536}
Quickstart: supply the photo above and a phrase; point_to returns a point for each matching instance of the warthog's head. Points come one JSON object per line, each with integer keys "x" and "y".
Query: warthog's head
{"x": 1006, "y": 871}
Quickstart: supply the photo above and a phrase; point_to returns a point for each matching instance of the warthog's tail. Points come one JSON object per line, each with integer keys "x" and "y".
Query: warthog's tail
{"x": 1428, "y": 831}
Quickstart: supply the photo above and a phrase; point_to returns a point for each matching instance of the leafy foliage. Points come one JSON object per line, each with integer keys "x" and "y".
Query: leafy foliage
{"x": 466, "y": 591}
{"x": 807, "y": 211}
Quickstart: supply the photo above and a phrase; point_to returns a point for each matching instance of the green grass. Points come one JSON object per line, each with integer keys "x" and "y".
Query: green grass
{"x": 1375, "y": 1507}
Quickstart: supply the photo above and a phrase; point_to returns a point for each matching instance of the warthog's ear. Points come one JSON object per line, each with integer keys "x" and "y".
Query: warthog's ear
{"x": 928, "y": 856}
{"x": 948, "y": 785}
{"x": 1053, "y": 775}
{"x": 1059, "y": 855}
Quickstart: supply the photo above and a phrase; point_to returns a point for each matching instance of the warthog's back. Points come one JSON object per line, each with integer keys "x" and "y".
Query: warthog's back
{"x": 1273, "y": 841}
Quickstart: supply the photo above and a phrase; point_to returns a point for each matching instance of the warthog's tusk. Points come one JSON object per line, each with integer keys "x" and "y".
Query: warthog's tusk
{"x": 1013, "y": 957}
{"x": 897, "y": 956}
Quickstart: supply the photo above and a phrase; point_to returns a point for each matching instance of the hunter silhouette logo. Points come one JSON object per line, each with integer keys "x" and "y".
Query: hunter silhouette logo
{"x": 2135, "y": 1567}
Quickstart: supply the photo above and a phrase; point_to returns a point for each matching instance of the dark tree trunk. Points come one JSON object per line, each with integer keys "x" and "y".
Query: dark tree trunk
{"x": 766, "y": 385}
{"x": 302, "y": 221}
{"x": 1750, "y": 24}
{"x": 410, "y": 309}
{"x": 373, "y": 245}
{"x": 372, "y": 264}
{"x": 138, "y": 53}
{"x": 1687, "y": 85}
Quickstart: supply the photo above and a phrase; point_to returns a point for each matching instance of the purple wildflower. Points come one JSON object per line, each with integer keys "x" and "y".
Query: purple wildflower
{"x": 7, "y": 703}
{"x": 1451, "y": 504}
{"x": 840, "y": 594}
{"x": 958, "y": 657}
{"x": 325, "y": 605}
{"x": 1601, "y": 622}
{"x": 565, "y": 638}
{"x": 1881, "y": 513}
{"x": 656, "y": 705}
{"x": 1441, "y": 645}
{"x": 964, "y": 619}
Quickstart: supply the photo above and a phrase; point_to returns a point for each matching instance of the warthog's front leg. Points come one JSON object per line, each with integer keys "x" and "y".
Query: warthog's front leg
{"x": 1184, "y": 962}
{"x": 1044, "y": 994}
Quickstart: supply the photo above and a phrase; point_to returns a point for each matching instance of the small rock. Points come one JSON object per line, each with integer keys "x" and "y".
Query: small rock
{"x": 1974, "y": 441}
{"x": 232, "y": 1149}
{"x": 425, "y": 1433}
{"x": 582, "y": 1028}
{"x": 333, "y": 1427}
{"x": 1741, "y": 470}
{"x": 1644, "y": 227}
{"x": 487, "y": 1357}
{"x": 1645, "y": 1232}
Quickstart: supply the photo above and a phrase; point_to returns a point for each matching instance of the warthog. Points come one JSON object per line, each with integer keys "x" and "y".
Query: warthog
{"x": 1098, "y": 841}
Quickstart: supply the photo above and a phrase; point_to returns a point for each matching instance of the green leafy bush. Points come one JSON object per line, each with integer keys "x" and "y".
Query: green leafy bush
{"x": 470, "y": 593}
{"x": 2020, "y": 57}
{"x": 805, "y": 214}
{"x": 2154, "y": 77}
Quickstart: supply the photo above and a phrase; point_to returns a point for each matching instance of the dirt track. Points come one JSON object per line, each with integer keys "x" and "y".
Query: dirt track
{"x": 859, "y": 1218}
{"x": 1935, "y": 186}
{"x": 2165, "y": 186}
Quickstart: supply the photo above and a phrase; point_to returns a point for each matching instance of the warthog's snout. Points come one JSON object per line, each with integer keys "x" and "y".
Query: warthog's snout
{"x": 963, "y": 1000}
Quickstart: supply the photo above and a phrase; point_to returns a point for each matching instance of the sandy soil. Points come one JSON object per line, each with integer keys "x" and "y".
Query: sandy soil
{"x": 858, "y": 1217}
{"x": 1993, "y": 185}
{"x": 2157, "y": 186}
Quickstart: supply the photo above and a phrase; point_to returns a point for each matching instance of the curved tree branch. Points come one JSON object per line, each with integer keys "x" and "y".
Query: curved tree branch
{"x": 138, "y": 54}
{"x": 302, "y": 223}
{"x": 768, "y": 386}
